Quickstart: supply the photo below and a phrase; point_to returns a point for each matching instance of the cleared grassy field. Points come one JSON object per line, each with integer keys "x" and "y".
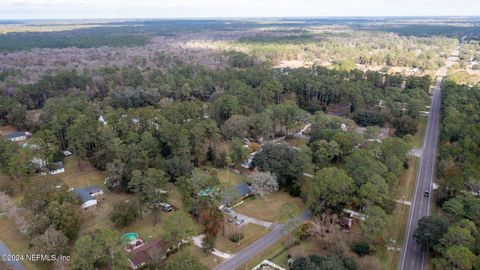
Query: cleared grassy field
{"x": 230, "y": 178}
{"x": 269, "y": 207}
{"x": 17, "y": 243}
{"x": 76, "y": 177}
{"x": 208, "y": 260}
{"x": 97, "y": 218}
{"x": 251, "y": 232}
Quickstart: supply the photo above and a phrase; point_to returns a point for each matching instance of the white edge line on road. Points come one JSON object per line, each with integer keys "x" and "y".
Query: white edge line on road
{"x": 435, "y": 141}
{"x": 412, "y": 208}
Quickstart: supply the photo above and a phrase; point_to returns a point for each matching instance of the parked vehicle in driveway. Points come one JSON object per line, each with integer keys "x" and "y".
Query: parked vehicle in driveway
{"x": 239, "y": 221}
{"x": 166, "y": 207}
{"x": 228, "y": 210}
{"x": 230, "y": 219}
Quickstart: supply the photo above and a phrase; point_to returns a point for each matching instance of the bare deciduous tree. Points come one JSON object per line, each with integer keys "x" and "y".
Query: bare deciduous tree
{"x": 13, "y": 212}
{"x": 263, "y": 183}
{"x": 324, "y": 227}
{"x": 51, "y": 241}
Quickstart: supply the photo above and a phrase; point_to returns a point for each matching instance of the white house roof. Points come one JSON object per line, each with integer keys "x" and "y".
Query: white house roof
{"x": 18, "y": 134}
{"x": 85, "y": 193}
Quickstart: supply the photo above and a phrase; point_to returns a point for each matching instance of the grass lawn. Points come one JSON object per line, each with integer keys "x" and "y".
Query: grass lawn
{"x": 96, "y": 218}
{"x": 229, "y": 178}
{"x": 144, "y": 227}
{"x": 269, "y": 207}
{"x": 17, "y": 243}
{"x": 208, "y": 260}
{"x": 275, "y": 251}
{"x": 421, "y": 130}
{"x": 251, "y": 232}
{"x": 408, "y": 180}
{"x": 75, "y": 177}
{"x": 390, "y": 259}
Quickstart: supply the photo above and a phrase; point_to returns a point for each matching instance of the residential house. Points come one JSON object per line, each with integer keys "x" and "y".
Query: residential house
{"x": 18, "y": 136}
{"x": 237, "y": 192}
{"x": 87, "y": 195}
{"x": 44, "y": 168}
{"x": 140, "y": 256}
{"x": 56, "y": 167}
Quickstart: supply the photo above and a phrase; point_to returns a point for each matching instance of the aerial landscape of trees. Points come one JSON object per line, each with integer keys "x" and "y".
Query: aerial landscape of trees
{"x": 160, "y": 125}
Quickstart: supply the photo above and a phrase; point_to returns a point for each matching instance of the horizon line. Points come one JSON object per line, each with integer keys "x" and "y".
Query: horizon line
{"x": 250, "y": 17}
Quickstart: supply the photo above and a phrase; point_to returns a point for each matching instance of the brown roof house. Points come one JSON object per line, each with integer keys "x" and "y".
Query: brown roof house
{"x": 155, "y": 250}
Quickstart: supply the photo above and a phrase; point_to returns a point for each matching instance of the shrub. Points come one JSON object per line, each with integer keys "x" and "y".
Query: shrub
{"x": 236, "y": 237}
{"x": 124, "y": 214}
{"x": 361, "y": 248}
{"x": 254, "y": 146}
{"x": 369, "y": 118}
{"x": 208, "y": 243}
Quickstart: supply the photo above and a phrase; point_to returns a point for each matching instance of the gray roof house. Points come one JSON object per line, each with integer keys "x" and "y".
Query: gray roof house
{"x": 18, "y": 136}
{"x": 239, "y": 191}
{"x": 56, "y": 167}
{"x": 50, "y": 168}
{"x": 87, "y": 195}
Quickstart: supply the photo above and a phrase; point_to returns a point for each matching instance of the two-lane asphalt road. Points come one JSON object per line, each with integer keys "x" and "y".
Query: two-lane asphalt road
{"x": 258, "y": 246}
{"x": 4, "y": 252}
{"x": 412, "y": 256}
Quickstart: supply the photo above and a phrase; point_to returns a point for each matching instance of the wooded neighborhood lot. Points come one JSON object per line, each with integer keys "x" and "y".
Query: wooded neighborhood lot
{"x": 269, "y": 207}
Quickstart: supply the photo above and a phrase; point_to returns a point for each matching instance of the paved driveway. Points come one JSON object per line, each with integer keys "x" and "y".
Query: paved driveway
{"x": 252, "y": 220}
{"x": 258, "y": 246}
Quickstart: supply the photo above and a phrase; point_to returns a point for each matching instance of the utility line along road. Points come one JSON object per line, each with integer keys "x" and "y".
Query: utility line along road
{"x": 413, "y": 257}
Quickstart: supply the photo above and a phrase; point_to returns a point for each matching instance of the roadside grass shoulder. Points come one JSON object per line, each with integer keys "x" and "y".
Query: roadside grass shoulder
{"x": 17, "y": 243}
{"x": 390, "y": 259}
{"x": 251, "y": 232}
{"x": 418, "y": 138}
{"x": 209, "y": 260}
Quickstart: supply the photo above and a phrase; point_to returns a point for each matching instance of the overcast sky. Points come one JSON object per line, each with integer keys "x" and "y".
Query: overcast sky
{"x": 52, "y": 9}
